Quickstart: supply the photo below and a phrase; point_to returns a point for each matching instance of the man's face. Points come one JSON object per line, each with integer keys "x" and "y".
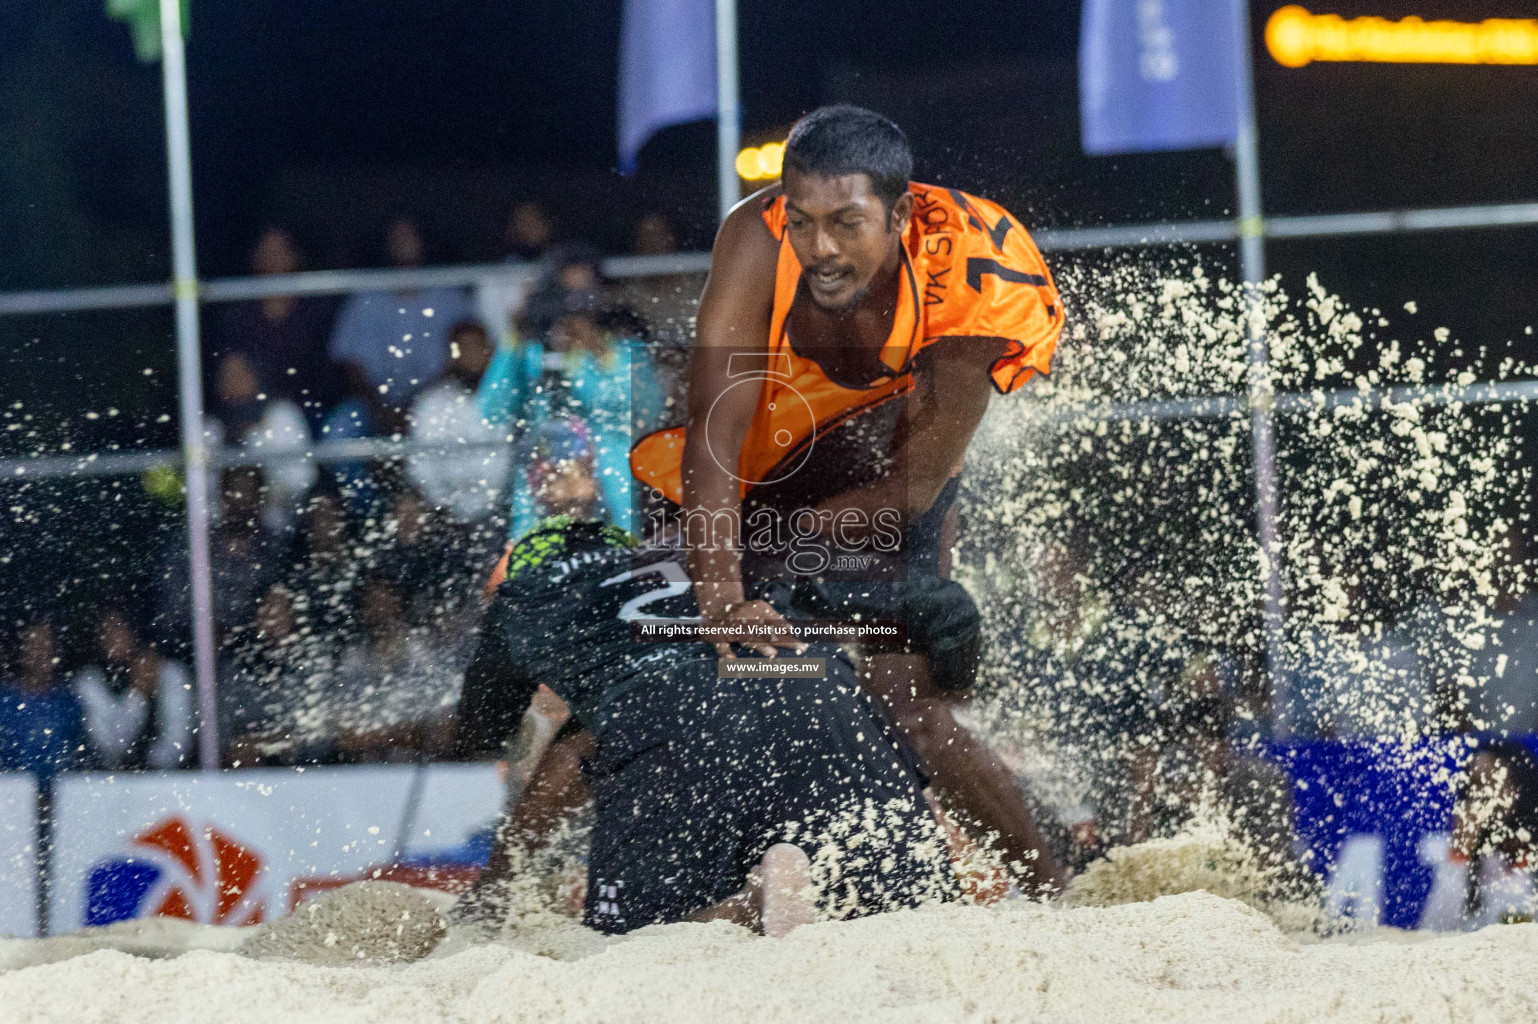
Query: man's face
{"x": 530, "y": 226}
{"x": 842, "y": 234}
{"x": 471, "y": 351}
{"x": 405, "y": 243}
{"x": 275, "y": 253}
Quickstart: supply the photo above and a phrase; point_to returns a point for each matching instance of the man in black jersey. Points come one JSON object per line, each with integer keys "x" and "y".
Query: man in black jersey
{"x": 700, "y": 781}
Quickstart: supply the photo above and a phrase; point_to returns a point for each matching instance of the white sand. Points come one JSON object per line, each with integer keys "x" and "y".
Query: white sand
{"x": 1189, "y": 958}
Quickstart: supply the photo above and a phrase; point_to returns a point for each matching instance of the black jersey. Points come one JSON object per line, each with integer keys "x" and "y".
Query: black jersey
{"x": 562, "y": 618}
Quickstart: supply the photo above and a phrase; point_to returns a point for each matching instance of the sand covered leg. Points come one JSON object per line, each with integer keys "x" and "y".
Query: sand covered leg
{"x": 787, "y": 888}
{"x": 777, "y": 898}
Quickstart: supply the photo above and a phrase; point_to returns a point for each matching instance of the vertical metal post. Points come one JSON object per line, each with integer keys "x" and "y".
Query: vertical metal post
{"x": 194, "y": 447}
{"x": 728, "y": 107}
{"x": 1252, "y": 262}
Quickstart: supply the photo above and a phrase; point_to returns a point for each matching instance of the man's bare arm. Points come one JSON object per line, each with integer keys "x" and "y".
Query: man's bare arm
{"x": 948, "y": 402}
{"x": 734, "y": 319}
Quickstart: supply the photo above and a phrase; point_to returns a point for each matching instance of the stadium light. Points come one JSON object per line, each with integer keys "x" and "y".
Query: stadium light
{"x": 761, "y": 163}
{"x": 1296, "y": 37}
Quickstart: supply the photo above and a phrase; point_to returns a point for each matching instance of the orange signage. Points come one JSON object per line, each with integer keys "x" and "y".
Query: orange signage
{"x": 1296, "y": 37}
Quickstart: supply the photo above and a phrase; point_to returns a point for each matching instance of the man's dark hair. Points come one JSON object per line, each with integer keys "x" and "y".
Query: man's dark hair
{"x": 844, "y": 139}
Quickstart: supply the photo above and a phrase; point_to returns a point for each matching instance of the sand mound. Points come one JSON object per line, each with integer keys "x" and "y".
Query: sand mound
{"x": 1189, "y": 958}
{"x": 366, "y": 922}
{"x": 1206, "y": 857}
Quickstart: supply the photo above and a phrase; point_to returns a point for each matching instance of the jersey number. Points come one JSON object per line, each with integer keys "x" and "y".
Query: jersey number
{"x": 677, "y": 582}
{"x": 979, "y": 267}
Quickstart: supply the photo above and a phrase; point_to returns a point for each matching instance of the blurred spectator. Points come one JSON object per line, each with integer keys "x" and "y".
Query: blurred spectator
{"x": 530, "y": 232}
{"x": 322, "y": 571}
{"x": 573, "y": 268}
{"x": 654, "y": 235}
{"x": 468, "y": 484}
{"x": 42, "y": 728}
{"x": 555, "y": 474}
{"x": 395, "y": 695}
{"x": 1343, "y": 680}
{"x": 238, "y": 396}
{"x": 272, "y": 697}
{"x": 579, "y": 386}
{"x": 1197, "y": 762}
{"x": 391, "y": 345}
{"x": 1507, "y": 698}
{"x": 418, "y": 558}
{"x": 610, "y": 383}
{"x": 273, "y": 348}
{"x": 138, "y": 705}
{"x": 667, "y": 303}
{"x": 282, "y": 437}
{"x": 246, "y": 558}
{"x": 1484, "y": 872}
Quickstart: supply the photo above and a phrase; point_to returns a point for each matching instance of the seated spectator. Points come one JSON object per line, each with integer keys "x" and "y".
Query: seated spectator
{"x": 273, "y": 348}
{"x": 1494, "y": 842}
{"x": 1507, "y": 698}
{"x": 42, "y": 728}
{"x": 609, "y": 382}
{"x": 553, "y": 474}
{"x": 392, "y": 344}
{"x": 395, "y": 695}
{"x": 1200, "y": 761}
{"x": 273, "y": 698}
{"x": 467, "y": 485}
{"x": 246, "y": 558}
{"x": 654, "y": 235}
{"x": 572, "y": 268}
{"x": 138, "y": 705}
{"x": 282, "y": 437}
{"x": 1342, "y": 683}
{"x": 585, "y": 362}
{"x": 530, "y": 232}
{"x": 667, "y": 303}
{"x": 322, "y": 573}
{"x": 528, "y": 235}
{"x": 419, "y": 558}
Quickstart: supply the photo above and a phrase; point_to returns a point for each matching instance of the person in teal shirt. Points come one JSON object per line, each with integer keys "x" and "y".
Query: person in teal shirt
{"x": 593, "y": 367}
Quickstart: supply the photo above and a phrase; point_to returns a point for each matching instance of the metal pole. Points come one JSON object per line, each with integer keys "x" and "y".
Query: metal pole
{"x": 1252, "y": 262}
{"x": 728, "y": 107}
{"x": 194, "y": 447}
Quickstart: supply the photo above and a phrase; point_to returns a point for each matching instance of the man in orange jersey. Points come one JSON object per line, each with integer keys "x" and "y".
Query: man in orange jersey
{"x": 853, "y": 328}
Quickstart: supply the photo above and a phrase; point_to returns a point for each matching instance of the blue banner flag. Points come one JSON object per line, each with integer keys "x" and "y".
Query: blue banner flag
{"x": 1158, "y": 74}
{"x": 667, "y": 69}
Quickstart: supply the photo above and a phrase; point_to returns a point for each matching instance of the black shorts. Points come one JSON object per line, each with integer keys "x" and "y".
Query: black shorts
{"x": 697, "y": 776}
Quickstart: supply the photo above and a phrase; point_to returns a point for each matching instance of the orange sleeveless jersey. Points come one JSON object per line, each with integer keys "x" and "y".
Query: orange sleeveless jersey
{"x": 969, "y": 270}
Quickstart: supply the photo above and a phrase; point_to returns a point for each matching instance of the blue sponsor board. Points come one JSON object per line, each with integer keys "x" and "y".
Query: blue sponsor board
{"x": 1398, "y": 791}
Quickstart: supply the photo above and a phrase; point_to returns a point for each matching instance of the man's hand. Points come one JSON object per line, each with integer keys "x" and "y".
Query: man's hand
{"x": 763, "y": 615}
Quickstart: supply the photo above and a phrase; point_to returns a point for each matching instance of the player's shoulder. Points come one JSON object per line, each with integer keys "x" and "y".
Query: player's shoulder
{"x": 756, "y": 222}
{"x": 970, "y": 220}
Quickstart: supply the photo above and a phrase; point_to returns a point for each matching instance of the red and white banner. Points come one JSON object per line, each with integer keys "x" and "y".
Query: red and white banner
{"x": 245, "y": 846}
